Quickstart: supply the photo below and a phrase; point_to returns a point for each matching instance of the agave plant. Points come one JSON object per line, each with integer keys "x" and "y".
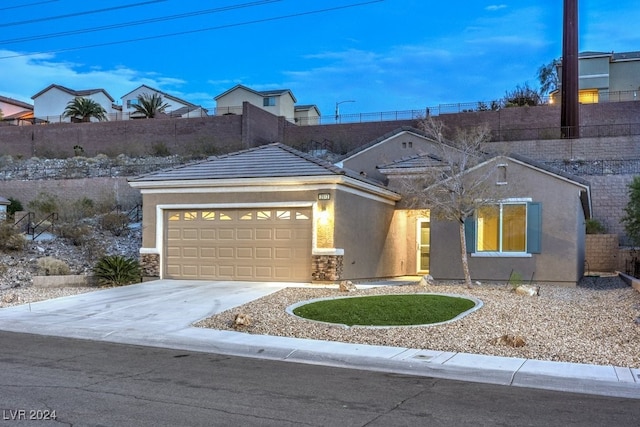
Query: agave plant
{"x": 117, "y": 270}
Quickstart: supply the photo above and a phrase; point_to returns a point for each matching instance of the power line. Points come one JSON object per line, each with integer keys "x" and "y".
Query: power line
{"x": 238, "y": 24}
{"x": 139, "y": 22}
{"x": 28, "y": 4}
{"x": 70, "y": 15}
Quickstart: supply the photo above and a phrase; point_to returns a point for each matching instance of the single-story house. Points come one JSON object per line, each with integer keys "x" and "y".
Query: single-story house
{"x": 273, "y": 213}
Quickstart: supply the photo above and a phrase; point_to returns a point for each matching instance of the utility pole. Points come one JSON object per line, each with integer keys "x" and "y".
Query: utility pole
{"x": 570, "y": 106}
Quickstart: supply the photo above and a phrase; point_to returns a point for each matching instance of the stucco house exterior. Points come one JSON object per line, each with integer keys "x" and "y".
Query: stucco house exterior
{"x": 49, "y": 104}
{"x": 3, "y": 208}
{"x": 279, "y": 102}
{"x": 177, "y": 107}
{"x": 273, "y": 213}
{"x": 606, "y": 77}
{"x": 16, "y": 112}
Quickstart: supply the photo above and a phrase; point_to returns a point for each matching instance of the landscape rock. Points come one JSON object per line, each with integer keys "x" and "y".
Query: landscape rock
{"x": 427, "y": 280}
{"x": 346, "y": 286}
{"x": 528, "y": 290}
{"x": 509, "y": 341}
{"x": 242, "y": 320}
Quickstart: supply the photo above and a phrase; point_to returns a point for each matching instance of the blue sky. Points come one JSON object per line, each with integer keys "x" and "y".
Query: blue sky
{"x": 385, "y": 55}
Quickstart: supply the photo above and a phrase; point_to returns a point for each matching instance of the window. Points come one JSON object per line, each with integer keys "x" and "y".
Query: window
{"x": 408, "y": 144}
{"x": 131, "y": 102}
{"x": 269, "y": 101}
{"x": 510, "y": 227}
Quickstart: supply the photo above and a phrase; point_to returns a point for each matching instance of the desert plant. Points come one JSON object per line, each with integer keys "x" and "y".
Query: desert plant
{"x": 10, "y": 238}
{"x": 115, "y": 223}
{"x": 50, "y": 266}
{"x": 117, "y": 270}
{"x": 76, "y": 233}
{"x": 594, "y": 226}
{"x": 14, "y": 206}
{"x": 43, "y": 204}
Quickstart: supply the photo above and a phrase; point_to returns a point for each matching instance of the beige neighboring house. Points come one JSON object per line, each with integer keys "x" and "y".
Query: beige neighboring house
{"x": 606, "y": 77}
{"x": 177, "y": 107}
{"x": 273, "y": 213}
{"x": 49, "y": 104}
{"x": 279, "y": 102}
{"x": 16, "y": 112}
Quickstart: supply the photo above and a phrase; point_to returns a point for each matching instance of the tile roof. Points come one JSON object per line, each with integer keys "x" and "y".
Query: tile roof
{"x": 73, "y": 92}
{"x": 267, "y": 161}
{"x": 15, "y": 102}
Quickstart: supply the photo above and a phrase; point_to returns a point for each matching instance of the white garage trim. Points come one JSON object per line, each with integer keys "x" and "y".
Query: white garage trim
{"x": 159, "y": 249}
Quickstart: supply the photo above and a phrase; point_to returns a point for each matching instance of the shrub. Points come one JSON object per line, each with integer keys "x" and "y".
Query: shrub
{"x": 10, "y": 238}
{"x": 77, "y": 234}
{"x": 117, "y": 270}
{"x": 50, "y": 266}
{"x": 115, "y": 223}
{"x": 14, "y": 206}
{"x": 594, "y": 226}
{"x": 44, "y": 204}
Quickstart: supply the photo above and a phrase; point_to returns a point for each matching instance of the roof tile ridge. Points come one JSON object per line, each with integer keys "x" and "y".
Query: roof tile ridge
{"x": 313, "y": 159}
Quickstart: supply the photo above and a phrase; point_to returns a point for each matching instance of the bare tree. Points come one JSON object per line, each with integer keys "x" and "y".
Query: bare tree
{"x": 458, "y": 187}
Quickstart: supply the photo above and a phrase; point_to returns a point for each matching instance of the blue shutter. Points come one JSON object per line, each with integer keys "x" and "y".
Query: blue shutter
{"x": 470, "y": 233}
{"x": 534, "y": 227}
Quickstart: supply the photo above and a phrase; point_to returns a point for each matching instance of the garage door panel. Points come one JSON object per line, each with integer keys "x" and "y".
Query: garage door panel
{"x": 244, "y": 234}
{"x": 244, "y": 253}
{"x": 228, "y": 253}
{"x": 248, "y": 244}
{"x": 283, "y": 234}
{"x": 207, "y": 234}
{"x": 226, "y": 234}
{"x": 264, "y": 234}
{"x": 264, "y": 253}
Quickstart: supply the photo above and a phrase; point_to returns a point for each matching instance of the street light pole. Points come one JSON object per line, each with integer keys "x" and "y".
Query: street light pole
{"x": 338, "y": 108}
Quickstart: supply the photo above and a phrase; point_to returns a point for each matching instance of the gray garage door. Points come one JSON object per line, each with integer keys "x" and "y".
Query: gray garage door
{"x": 239, "y": 244}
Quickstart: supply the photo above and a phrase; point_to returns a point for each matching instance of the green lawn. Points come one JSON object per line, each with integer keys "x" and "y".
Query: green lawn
{"x": 386, "y": 310}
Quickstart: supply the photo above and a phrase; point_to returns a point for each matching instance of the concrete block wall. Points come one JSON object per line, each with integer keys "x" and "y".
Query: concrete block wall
{"x": 610, "y": 195}
{"x": 601, "y": 253}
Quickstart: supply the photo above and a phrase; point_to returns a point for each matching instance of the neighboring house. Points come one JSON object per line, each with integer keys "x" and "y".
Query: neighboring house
{"x": 49, "y": 104}
{"x": 177, "y": 107}
{"x": 279, "y": 102}
{"x": 16, "y": 112}
{"x": 273, "y": 213}
{"x": 606, "y": 77}
{"x": 3, "y": 208}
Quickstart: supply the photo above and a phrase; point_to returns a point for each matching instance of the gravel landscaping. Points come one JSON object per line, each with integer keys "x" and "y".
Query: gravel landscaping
{"x": 594, "y": 323}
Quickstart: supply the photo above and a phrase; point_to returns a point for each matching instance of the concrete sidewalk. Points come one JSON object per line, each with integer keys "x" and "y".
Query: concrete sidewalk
{"x": 160, "y": 314}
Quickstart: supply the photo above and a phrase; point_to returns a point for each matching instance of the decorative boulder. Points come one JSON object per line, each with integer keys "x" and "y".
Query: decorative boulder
{"x": 528, "y": 290}
{"x": 347, "y": 286}
{"x": 242, "y": 320}
{"x": 509, "y": 341}
{"x": 427, "y": 280}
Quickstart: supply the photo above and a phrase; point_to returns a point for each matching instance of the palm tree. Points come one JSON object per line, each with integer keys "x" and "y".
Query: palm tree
{"x": 84, "y": 109}
{"x": 150, "y": 105}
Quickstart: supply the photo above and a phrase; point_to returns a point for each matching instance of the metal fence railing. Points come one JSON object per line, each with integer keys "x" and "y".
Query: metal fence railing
{"x": 440, "y": 109}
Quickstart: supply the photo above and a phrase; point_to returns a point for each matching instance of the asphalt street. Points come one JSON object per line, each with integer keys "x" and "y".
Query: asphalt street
{"x": 91, "y": 383}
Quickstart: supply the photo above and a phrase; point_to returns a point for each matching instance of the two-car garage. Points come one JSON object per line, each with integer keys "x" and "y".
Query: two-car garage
{"x": 265, "y": 244}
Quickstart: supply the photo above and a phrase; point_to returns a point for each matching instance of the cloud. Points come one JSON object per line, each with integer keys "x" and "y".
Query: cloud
{"x": 494, "y": 7}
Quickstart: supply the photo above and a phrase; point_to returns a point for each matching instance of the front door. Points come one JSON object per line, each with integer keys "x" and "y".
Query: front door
{"x": 424, "y": 244}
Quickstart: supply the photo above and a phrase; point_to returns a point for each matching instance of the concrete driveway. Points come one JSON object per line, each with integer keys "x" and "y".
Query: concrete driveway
{"x": 146, "y": 310}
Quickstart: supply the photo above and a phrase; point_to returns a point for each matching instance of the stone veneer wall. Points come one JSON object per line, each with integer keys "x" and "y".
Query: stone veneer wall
{"x": 150, "y": 264}
{"x": 326, "y": 268}
{"x": 601, "y": 252}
